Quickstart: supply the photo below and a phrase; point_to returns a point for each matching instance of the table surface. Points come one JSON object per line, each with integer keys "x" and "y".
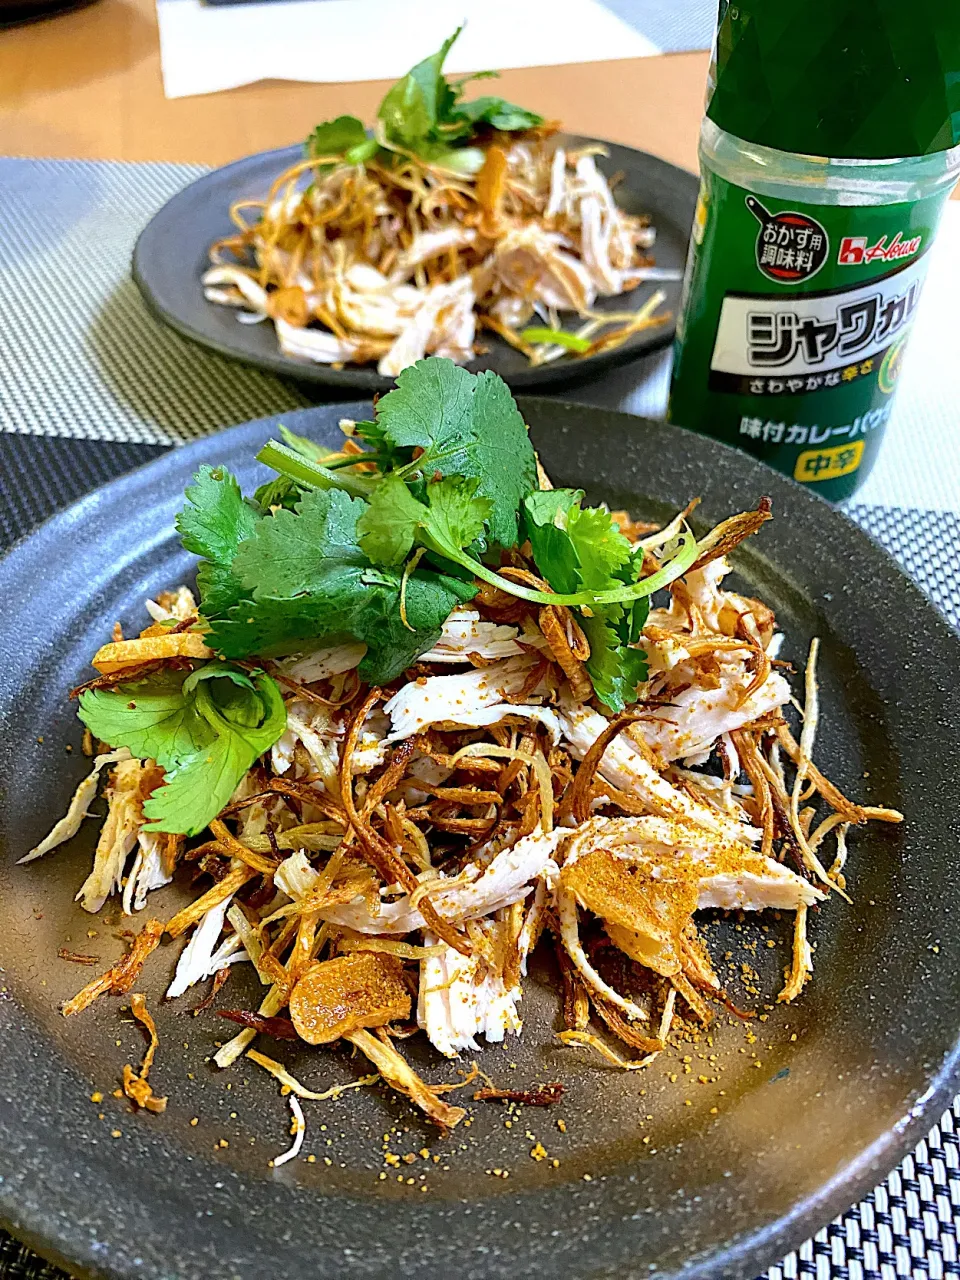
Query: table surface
{"x": 87, "y": 86}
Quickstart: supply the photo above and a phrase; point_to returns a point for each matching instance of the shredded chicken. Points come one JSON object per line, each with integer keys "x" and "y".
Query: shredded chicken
{"x": 457, "y": 699}
{"x": 466, "y": 635}
{"x": 507, "y": 879}
{"x": 68, "y": 826}
{"x": 627, "y": 767}
{"x": 201, "y": 957}
{"x": 130, "y": 784}
{"x": 462, "y": 997}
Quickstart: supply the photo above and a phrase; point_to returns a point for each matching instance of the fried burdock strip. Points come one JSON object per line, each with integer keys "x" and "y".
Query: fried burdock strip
{"x": 400, "y": 1075}
{"x": 851, "y": 812}
{"x": 120, "y": 977}
{"x": 728, "y": 535}
{"x": 135, "y": 1084}
{"x": 381, "y": 855}
{"x": 579, "y": 798}
{"x": 748, "y": 754}
{"x": 544, "y": 1095}
{"x": 233, "y": 848}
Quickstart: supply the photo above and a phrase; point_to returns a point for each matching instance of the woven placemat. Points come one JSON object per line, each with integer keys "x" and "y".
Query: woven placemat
{"x": 91, "y": 386}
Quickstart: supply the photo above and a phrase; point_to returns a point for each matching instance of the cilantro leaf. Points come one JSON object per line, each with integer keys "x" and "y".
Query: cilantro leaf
{"x": 498, "y": 114}
{"x": 411, "y": 110}
{"x": 293, "y": 552}
{"x": 572, "y": 544}
{"x": 219, "y": 671}
{"x": 363, "y": 605}
{"x": 423, "y": 113}
{"x": 503, "y": 459}
{"x": 545, "y": 525}
{"x": 454, "y": 466}
{"x": 457, "y": 511}
{"x": 271, "y": 627}
{"x": 391, "y": 646}
{"x": 431, "y": 408}
{"x": 615, "y": 670}
{"x": 334, "y": 137}
{"x": 635, "y": 618}
{"x": 216, "y": 519}
{"x": 406, "y": 117}
{"x": 151, "y": 717}
{"x": 465, "y": 425}
{"x": 600, "y": 546}
{"x": 389, "y": 525}
{"x": 549, "y": 506}
{"x": 197, "y": 788}
{"x": 576, "y": 546}
{"x": 370, "y": 431}
{"x": 205, "y": 730}
{"x": 212, "y": 524}
{"x": 252, "y": 710}
{"x": 309, "y": 580}
{"x": 246, "y": 722}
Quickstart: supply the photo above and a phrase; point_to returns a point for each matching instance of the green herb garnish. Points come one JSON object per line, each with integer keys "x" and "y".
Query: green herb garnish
{"x": 383, "y": 557}
{"x": 423, "y": 115}
{"x": 326, "y": 554}
{"x": 204, "y": 728}
{"x": 557, "y": 338}
{"x": 576, "y": 546}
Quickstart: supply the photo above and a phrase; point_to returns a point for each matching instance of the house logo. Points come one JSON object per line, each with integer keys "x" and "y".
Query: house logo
{"x": 857, "y": 251}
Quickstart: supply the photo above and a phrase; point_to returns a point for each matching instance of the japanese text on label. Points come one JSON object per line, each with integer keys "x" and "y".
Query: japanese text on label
{"x": 815, "y": 335}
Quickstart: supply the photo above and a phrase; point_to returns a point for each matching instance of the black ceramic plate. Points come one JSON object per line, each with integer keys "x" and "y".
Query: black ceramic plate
{"x": 686, "y": 1179}
{"x": 172, "y": 254}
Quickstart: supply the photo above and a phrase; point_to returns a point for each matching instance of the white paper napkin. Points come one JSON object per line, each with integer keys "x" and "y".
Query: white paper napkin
{"x": 205, "y": 48}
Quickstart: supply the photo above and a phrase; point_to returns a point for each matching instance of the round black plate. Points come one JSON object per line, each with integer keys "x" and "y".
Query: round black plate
{"x": 172, "y": 254}
{"x": 787, "y": 1130}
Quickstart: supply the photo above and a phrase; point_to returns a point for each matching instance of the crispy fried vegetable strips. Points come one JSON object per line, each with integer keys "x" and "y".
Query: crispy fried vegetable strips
{"x": 135, "y": 1084}
{"x": 119, "y": 978}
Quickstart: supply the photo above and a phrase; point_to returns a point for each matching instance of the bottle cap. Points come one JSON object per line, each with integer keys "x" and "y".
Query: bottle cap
{"x": 839, "y": 78}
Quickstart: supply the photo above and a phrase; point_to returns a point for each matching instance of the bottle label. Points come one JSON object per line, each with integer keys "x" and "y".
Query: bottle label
{"x": 793, "y": 325}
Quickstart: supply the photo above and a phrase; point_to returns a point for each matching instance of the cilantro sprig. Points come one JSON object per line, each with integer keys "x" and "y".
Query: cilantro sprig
{"x": 204, "y": 728}
{"x": 301, "y": 577}
{"x": 423, "y": 114}
{"x": 327, "y": 553}
{"x": 576, "y": 546}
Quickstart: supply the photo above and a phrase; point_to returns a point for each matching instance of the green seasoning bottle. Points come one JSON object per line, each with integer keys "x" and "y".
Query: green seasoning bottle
{"x": 828, "y": 152}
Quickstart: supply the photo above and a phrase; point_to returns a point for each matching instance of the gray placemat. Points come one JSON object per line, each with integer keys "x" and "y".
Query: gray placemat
{"x": 674, "y": 26}
{"x": 90, "y": 384}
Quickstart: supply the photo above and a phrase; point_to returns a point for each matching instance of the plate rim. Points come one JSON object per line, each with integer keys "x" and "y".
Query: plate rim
{"x": 741, "y": 1256}
{"x": 363, "y": 378}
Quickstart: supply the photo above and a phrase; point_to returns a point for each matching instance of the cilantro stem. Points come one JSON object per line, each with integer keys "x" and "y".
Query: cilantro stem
{"x": 673, "y": 569}
{"x": 296, "y": 467}
{"x": 362, "y": 152}
{"x": 353, "y": 459}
